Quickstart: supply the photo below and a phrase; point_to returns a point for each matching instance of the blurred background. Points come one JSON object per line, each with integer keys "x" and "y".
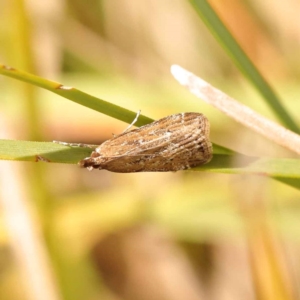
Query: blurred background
{"x": 66, "y": 233}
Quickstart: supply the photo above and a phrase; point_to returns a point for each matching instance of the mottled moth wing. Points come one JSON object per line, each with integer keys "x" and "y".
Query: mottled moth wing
{"x": 176, "y": 142}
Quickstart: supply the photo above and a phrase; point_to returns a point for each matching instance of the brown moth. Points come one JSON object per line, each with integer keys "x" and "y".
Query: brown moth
{"x": 176, "y": 142}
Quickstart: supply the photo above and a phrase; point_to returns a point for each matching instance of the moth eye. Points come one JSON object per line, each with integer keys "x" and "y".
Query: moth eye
{"x": 95, "y": 154}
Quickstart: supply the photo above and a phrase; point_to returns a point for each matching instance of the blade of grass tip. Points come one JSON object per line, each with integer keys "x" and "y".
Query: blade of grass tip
{"x": 237, "y": 111}
{"x": 77, "y": 96}
{"x": 222, "y": 34}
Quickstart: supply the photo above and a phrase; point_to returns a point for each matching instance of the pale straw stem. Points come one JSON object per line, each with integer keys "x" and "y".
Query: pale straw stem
{"x": 236, "y": 110}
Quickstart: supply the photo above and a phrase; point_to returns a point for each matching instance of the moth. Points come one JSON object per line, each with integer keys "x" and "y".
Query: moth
{"x": 177, "y": 142}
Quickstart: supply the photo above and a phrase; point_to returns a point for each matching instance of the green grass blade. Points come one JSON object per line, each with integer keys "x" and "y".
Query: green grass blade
{"x": 282, "y": 169}
{"x": 219, "y": 30}
{"x": 285, "y": 170}
{"x": 54, "y": 152}
{"x": 77, "y": 96}
{"x": 82, "y": 98}
{"x": 39, "y": 151}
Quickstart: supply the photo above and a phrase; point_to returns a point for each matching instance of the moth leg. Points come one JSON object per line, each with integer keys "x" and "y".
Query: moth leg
{"x": 76, "y": 144}
{"x": 132, "y": 123}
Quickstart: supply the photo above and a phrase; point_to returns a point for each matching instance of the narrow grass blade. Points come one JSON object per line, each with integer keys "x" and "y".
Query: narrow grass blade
{"x": 77, "y": 96}
{"x": 285, "y": 170}
{"x": 233, "y": 49}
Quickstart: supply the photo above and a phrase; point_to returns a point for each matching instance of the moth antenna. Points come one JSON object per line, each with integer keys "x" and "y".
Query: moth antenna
{"x": 76, "y": 144}
{"x": 133, "y": 122}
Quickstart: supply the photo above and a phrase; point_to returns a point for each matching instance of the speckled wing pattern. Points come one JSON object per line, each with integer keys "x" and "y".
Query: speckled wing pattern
{"x": 177, "y": 142}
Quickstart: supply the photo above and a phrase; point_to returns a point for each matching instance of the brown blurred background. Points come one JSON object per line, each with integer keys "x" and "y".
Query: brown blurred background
{"x": 66, "y": 233}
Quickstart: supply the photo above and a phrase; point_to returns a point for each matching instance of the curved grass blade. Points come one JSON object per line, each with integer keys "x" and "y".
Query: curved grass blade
{"x": 284, "y": 170}
{"x": 233, "y": 49}
{"x": 77, "y": 96}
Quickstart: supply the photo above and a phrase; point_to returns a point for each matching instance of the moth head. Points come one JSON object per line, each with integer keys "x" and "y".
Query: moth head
{"x": 89, "y": 163}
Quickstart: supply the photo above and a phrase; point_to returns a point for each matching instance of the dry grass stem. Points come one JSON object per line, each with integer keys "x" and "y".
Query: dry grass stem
{"x": 236, "y": 110}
